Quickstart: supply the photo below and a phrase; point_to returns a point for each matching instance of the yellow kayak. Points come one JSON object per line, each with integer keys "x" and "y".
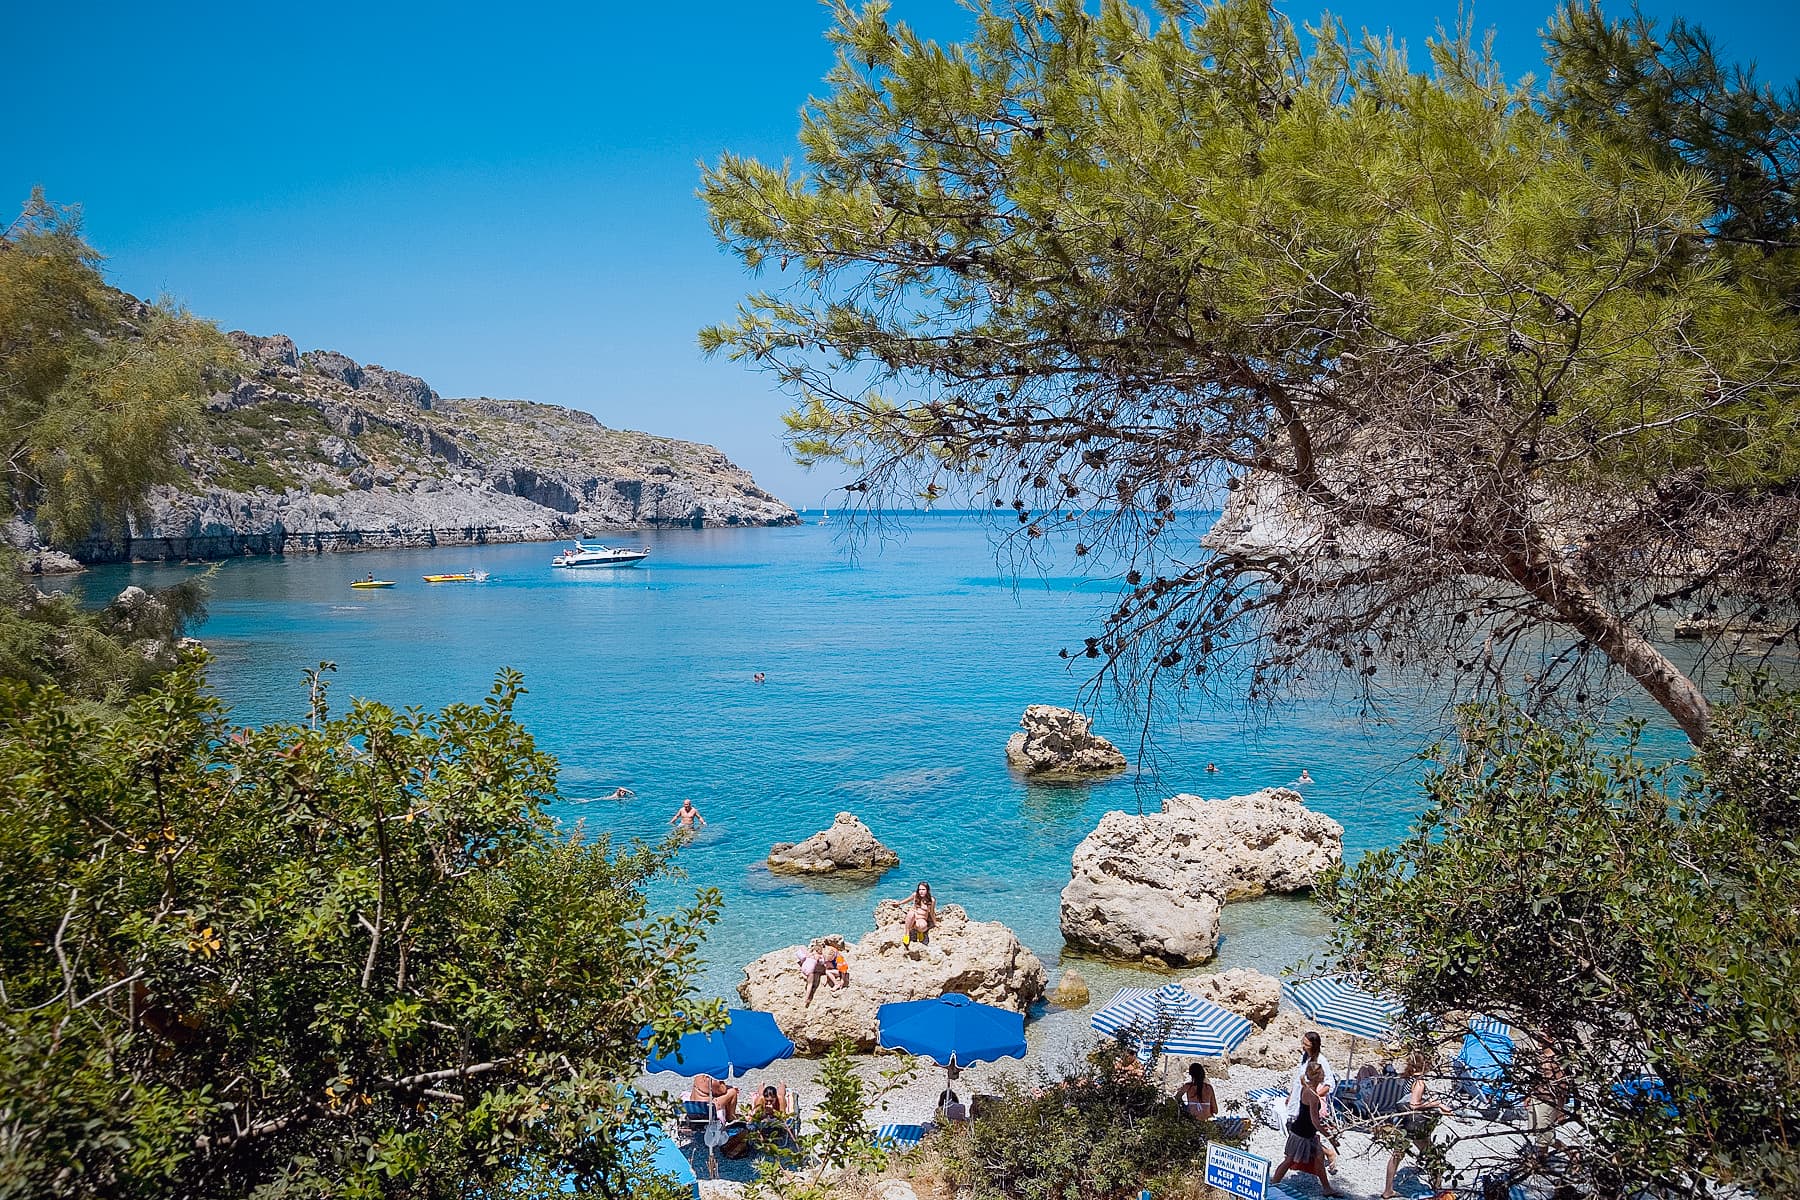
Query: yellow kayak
{"x": 373, "y": 583}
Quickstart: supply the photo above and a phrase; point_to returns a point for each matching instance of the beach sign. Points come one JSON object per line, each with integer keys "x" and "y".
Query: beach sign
{"x": 1236, "y": 1173}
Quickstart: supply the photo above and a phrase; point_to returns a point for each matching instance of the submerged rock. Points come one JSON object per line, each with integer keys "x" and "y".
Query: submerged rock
{"x": 1150, "y": 887}
{"x": 848, "y": 845}
{"x": 1071, "y": 990}
{"x": 1060, "y": 741}
{"x": 984, "y": 960}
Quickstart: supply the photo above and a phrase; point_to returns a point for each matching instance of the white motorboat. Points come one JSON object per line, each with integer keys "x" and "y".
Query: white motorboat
{"x": 581, "y": 555}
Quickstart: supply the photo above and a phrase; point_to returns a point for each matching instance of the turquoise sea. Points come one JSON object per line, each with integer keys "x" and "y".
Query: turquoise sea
{"x": 896, "y": 667}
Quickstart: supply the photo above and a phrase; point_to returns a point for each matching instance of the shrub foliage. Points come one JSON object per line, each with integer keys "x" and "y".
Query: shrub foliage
{"x": 349, "y": 958}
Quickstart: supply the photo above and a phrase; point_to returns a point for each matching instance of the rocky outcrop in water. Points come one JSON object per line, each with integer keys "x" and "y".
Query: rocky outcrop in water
{"x": 35, "y": 558}
{"x": 1134, "y": 893}
{"x": 848, "y": 845}
{"x": 984, "y": 960}
{"x": 1268, "y": 841}
{"x": 1150, "y": 887}
{"x": 1071, "y": 991}
{"x": 306, "y": 452}
{"x": 1061, "y": 742}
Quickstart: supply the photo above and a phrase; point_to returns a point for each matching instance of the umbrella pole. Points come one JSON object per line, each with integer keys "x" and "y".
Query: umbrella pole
{"x": 1352, "y": 1058}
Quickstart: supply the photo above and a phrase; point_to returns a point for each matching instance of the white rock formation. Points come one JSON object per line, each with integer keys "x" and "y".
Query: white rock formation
{"x": 1268, "y": 841}
{"x": 1135, "y": 893}
{"x": 984, "y": 960}
{"x": 1150, "y": 887}
{"x": 848, "y": 845}
{"x": 1060, "y": 741}
{"x": 1250, "y": 994}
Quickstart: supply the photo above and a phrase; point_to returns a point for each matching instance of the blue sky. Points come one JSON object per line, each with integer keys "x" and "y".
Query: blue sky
{"x": 499, "y": 198}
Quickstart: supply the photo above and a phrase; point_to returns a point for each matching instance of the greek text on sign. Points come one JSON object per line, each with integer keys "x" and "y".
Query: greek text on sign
{"x": 1236, "y": 1173}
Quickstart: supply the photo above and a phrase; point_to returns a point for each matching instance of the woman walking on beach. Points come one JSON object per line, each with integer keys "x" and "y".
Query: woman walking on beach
{"x": 922, "y": 917}
{"x": 1417, "y": 1123}
{"x": 1312, "y": 1053}
{"x": 1304, "y": 1151}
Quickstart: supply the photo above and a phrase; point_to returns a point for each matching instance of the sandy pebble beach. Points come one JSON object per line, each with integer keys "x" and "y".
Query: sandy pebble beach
{"x": 1061, "y": 1038}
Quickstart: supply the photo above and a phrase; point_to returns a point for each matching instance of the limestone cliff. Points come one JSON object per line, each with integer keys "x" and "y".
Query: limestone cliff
{"x": 315, "y": 452}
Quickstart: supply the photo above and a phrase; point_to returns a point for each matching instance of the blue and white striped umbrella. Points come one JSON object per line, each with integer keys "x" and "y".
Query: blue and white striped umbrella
{"x": 1181, "y": 1021}
{"x": 1342, "y": 1006}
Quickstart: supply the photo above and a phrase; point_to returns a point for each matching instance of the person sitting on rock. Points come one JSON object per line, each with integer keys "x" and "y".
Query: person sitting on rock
{"x": 716, "y": 1092}
{"x": 921, "y": 918}
{"x": 823, "y": 961}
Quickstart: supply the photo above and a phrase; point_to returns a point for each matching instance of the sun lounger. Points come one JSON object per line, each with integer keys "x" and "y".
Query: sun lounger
{"x": 1643, "y": 1092}
{"x": 1269, "y": 1106}
{"x": 1479, "y": 1071}
{"x": 1381, "y": 1096}
{"x": 899, "y": 1138}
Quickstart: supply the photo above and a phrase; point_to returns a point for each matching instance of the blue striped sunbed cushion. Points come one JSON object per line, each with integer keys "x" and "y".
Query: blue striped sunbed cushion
{"x": 696, "y": 1110}
{"x": 1232, "y": 1128}
{"x": 1490, "y": 1027}
{"x": 899, "y": 1137}
{"x": 1384, "y": 1094}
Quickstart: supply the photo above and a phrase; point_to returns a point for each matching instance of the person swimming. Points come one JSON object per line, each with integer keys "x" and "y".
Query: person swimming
{"x": 687, "y": 816}
{"x": 1305, "y": 777}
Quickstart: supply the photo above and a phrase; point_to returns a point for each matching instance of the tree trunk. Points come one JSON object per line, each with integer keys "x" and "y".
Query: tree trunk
{"x": 1533, "y": 567}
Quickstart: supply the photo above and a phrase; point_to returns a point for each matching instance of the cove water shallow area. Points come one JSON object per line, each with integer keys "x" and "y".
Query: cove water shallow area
{"x": 894, "y": 676}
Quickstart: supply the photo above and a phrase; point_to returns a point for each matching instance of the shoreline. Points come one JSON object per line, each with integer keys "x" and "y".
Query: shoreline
{"x": 226, "y": 547}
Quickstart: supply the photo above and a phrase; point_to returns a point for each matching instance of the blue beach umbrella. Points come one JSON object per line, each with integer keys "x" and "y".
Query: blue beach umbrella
{"x": 666, "y": 1158}
{"x": 952, "y": 1030}
{"x": 1337, "y": 1004}
{"x": 749, "y": 1040}
{"x": 1182, "y": 1022}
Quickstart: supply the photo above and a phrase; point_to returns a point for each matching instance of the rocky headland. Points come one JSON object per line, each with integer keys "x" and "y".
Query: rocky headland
{"x": 984, "y": 960}
{"x": 1149, "y": 887}
{"x": 315, "y": 452}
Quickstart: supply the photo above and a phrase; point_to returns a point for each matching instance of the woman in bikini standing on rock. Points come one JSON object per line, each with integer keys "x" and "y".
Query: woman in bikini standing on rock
{"x": 921, "y": 919}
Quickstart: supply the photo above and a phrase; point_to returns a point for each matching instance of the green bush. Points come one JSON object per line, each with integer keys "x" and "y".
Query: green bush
{"x": 338, "y": 960}
{"x": 1099, "y": 1133}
